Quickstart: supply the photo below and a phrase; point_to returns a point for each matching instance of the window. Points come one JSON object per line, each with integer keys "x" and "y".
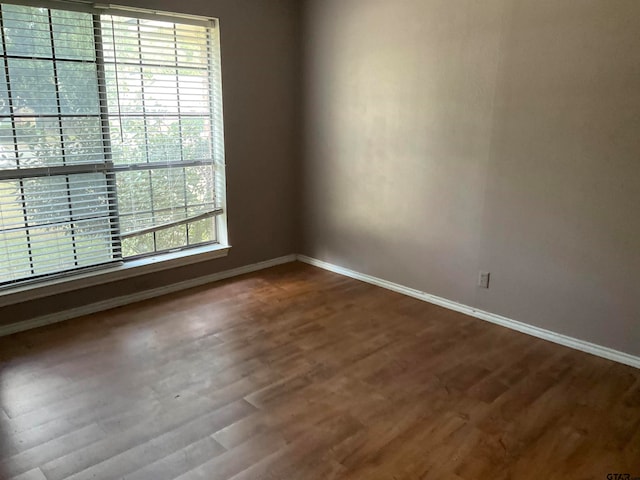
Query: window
{"x": 111, "y": 144}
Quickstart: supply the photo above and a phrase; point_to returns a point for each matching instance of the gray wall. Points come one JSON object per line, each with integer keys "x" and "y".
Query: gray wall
{"x": 443, "y": 137}
{"x": 260, "y": 69}
{"x": 439, "y": 138}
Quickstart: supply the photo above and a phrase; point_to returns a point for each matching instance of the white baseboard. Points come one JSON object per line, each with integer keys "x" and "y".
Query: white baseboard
{"x": 139, "y": 296}
{"x": 558, "y": 338}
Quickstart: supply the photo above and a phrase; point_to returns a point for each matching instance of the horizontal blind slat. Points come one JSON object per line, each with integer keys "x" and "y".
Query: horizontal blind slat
{"x": 151, "y": 107}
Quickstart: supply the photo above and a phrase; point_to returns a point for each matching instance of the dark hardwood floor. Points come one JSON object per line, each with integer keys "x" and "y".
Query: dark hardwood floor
{"x": 297, "y": 373}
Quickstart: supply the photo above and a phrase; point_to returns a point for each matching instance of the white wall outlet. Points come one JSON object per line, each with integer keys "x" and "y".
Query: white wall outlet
{"x": 483, "y": 279}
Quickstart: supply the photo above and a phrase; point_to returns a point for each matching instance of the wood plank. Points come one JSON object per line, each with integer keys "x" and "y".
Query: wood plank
{"x": 295, "y": 372}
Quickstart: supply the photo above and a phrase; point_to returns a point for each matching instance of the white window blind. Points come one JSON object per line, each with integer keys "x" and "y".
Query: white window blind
{"x": 110, "y": 138}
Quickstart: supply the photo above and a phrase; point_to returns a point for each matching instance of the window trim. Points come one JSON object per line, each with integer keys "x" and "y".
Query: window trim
{"x": 122, "y": 271}
{"x": 137, "y": 266}
{"x": 88, "y": 6}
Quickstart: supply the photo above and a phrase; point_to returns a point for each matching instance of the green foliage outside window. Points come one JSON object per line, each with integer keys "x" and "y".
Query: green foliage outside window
{"x": 56, "y": 103}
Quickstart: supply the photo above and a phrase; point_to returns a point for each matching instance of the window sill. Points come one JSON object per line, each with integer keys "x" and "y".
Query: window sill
{"x": 133, "y": 268}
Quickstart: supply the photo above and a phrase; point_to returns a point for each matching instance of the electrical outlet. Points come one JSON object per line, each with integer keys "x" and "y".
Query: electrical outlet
{"x": 483, "y": 279}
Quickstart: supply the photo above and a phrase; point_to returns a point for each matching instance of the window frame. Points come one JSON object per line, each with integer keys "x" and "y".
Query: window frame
{"x": 120, "y": 269}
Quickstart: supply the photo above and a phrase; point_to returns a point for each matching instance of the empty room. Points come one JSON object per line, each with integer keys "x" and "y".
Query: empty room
{"x": 320, "y": 240}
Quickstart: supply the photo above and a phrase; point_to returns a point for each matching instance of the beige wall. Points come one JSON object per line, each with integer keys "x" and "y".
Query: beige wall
{"x": 260, "y": 70}
{"x": 446, "y": 136}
